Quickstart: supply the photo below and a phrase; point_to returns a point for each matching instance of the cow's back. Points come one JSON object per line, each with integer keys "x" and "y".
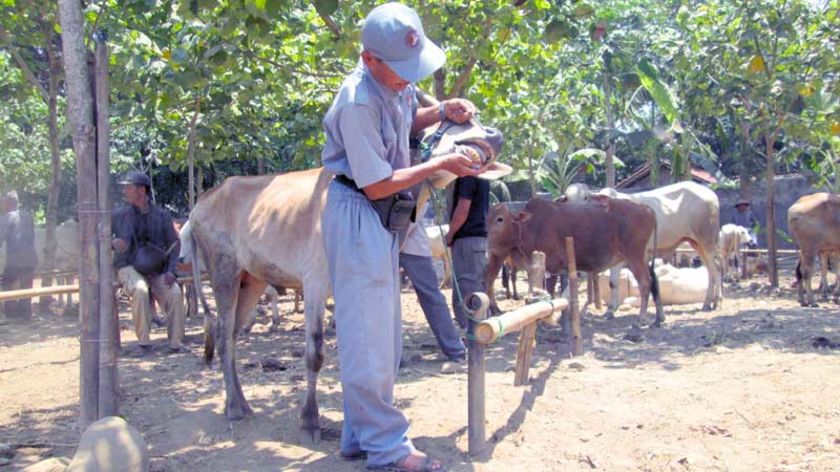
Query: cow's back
{"x": 683, "y": 210}
{"x": 814, "y": 221}
{"x": 271, "y": 223}
{"x": 600, "y": 231}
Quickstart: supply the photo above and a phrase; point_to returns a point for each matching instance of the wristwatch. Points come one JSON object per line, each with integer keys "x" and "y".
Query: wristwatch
{"x": 441, "y": 111}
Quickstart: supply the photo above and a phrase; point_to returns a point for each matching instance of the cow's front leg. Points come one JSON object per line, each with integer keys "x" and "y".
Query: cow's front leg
{"x": 226, "y": 288}
{"x": 313, "y": 307}
{"x": 494, "y": 264}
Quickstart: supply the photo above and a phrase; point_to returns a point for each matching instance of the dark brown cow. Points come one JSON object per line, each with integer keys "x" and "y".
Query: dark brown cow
{"x": 814, "y": 221}
{"x": 606, "y": 232}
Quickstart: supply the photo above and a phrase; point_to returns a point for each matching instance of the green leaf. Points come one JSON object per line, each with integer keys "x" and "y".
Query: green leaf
{"x": 657, "y": 89}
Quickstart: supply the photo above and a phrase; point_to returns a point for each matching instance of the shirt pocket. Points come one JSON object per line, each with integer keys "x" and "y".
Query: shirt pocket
{"x": 390, "y": 139}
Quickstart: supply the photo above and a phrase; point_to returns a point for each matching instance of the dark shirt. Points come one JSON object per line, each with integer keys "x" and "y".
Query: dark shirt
{"x": 136, "y": 228}
{"x": 745, "y": 218}
{"x": 478, "y": 192}
{"x": 17, "y": 232}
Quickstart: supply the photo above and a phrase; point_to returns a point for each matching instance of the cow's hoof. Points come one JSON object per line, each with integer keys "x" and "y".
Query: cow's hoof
{"x": 609, "y": 315}
{"x": 235, "y": 412}
{"x": 708, "y": 307}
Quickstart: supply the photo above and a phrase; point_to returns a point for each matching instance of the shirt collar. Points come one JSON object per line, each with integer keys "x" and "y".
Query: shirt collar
{"x": 384, "y": 92}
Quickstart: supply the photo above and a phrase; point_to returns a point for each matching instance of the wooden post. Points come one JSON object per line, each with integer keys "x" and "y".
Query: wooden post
{"x": 528, "y": 337}
{"x": 108, "y": 327}
{"x": 80, "y": 114}
{"x": 577, "y": 339}
{"x": 536, "y": 272}
{"x": 477, "y": 304}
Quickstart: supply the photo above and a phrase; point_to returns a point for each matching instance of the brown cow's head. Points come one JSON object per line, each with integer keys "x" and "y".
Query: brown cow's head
{"x": 503, "y": 228}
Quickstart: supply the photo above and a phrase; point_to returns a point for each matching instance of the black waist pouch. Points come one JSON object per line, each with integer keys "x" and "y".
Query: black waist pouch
{"x": 396, "y": 212}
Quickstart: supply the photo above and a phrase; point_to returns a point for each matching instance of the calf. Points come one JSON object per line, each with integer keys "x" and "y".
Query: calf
{"x": 605, "y": 232}
{"x": 731, "y": 239}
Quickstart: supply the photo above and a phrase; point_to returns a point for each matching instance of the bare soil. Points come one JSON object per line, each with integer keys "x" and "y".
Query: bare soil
{"x": 750, "y": 387}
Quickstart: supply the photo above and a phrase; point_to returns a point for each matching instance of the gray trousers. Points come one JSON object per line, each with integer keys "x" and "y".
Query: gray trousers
{"x": 421, "y": 272}
{"x": 364, "y": 266}
{"x": 469, "y": 262}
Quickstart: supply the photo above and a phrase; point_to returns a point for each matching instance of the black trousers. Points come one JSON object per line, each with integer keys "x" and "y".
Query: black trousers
{"x": 18, "y": 278}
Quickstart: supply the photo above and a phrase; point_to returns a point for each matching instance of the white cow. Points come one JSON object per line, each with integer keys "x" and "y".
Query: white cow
{"x": 732, "y": 237}
{"x": 685, "y": 212}
{"x": 677, "y": 286}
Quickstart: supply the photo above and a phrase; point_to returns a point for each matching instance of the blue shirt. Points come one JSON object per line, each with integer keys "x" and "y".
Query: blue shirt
{"x": 367, "y": 129}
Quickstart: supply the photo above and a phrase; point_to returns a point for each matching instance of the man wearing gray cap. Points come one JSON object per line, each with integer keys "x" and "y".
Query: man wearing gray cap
{"x": 17, "y": 232}
{"x": 367, "y": 132}
{"x": 146, "y": 253}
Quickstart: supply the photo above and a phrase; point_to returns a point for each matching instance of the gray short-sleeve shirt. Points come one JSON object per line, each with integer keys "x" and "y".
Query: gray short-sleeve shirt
{"x": 367, "y": 129}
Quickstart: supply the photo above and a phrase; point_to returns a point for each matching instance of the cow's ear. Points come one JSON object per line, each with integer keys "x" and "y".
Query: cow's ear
{"x": 522, "y": 217}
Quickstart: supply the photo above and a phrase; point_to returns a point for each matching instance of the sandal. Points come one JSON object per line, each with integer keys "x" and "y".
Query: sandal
{"x": 352, "y": 456}
{"x": 428, "y": 464}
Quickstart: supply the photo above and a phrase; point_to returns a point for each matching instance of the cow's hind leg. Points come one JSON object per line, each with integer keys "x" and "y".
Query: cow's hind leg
{"x": 226, "y": 281}
{"x": 712, "y": 260}
{"x": 313, "y": 306}
{"x": 803, "y": 276}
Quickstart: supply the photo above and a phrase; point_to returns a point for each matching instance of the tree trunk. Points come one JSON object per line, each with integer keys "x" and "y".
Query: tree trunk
{"x": 55, "y": 159}
{"x": 191, "y": 151}
{"x": 608, "y": 161}
{"x": 744, "y": 177}
{"x": 771, "y": 210}
{"x": 80, "y": 114}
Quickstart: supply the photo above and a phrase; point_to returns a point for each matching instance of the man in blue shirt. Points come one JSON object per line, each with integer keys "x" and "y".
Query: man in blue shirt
{"x": 17, "y": 233}
{"x": 367, "y": 131}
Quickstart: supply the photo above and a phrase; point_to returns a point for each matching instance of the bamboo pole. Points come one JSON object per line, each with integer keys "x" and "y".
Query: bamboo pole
{"x": 492, "y": 329}
{"x": 108, "y": 326}
{"x": 61, "y": 289}
{"x": 574, "y": 314}
{"x": 477, "y": 303}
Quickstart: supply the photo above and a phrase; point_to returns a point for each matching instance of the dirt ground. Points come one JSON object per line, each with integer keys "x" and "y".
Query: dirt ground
{"x": 750, "y": 387}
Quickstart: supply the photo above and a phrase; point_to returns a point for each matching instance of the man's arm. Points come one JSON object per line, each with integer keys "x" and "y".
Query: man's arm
{"x": 402, "y": 179}
{"x": 457, "y": 110}
{"x": 459, "y": 217}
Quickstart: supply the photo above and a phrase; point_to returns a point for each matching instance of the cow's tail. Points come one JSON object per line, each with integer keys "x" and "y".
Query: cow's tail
{"x": 209, "y": 326}
{"x": 654, "y": 281}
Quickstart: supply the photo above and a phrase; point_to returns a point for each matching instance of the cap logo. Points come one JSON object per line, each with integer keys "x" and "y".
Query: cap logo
{"x": 412, "y": 39}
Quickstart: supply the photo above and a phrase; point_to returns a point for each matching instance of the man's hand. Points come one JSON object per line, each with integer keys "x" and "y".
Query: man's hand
{"x": 119, "y": 245}
{"x": 448, "y": 239}
{"x": 458, "y": 110}
{"x": 458, "y": 164}
{"x": 169, "y": 279}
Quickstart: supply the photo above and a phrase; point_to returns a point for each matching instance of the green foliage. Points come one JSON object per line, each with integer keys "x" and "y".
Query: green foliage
{"x": 245, "y": 84}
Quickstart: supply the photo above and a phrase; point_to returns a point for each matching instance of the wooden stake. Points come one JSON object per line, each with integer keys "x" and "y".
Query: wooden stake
{"x": 108, "y": 326}
{"x": 477, "y": 303}
{"x": 528, "y": 337}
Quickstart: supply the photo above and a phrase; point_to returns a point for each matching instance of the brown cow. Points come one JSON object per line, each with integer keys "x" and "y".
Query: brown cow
{"x": 814, "y": 222}
{"x": 605, "y": 232}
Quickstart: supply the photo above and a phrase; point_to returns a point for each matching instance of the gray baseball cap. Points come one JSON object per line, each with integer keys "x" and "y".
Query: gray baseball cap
{"x": 136, "y": 178}
{"x": 393, "y": 33}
